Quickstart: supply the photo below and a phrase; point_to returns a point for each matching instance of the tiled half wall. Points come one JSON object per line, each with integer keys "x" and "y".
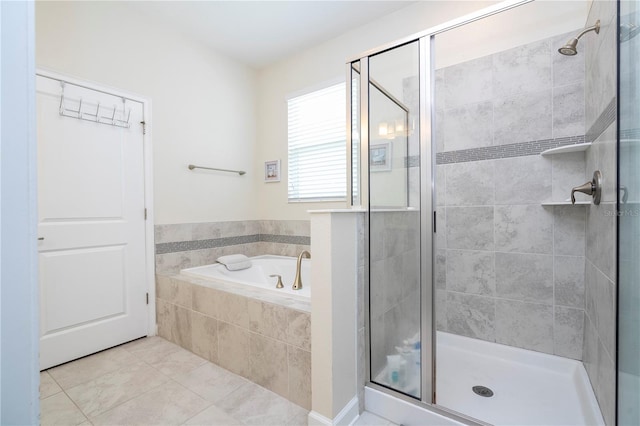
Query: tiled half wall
{"x": 267, "y": 343}
{"x": 186, "y": 245}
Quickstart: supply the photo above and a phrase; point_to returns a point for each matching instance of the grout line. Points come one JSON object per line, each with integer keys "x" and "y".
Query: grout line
{"x": 484, "y": 296}
{"x": 211, "y": 404}
{"x": 130, "y": 399}
{"x": 86, "y": 416}
{"x": 54, "y": 381}
{"x": 120, "y": 367}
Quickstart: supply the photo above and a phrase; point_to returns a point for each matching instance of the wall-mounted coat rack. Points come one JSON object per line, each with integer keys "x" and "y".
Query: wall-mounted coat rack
{"x": 240, "y": 172}
{"x": 113, "y": 117}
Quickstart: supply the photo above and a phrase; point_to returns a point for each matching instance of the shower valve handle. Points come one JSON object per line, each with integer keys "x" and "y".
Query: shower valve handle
{"x": 592, "y": 188}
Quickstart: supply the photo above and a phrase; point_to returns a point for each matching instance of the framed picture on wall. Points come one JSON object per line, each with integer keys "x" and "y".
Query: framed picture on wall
{"x": 272, "y": 171}
{"x": 380, "y": 157}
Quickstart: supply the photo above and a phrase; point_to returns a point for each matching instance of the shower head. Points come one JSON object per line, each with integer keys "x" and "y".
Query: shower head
{"x": 571, "y": 48}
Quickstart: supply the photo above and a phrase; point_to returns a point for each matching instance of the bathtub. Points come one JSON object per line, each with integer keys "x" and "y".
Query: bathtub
{"x": 258, "y": 274}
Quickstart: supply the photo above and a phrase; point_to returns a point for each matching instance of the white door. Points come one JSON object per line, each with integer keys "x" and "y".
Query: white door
{"x": 91, "y": 223}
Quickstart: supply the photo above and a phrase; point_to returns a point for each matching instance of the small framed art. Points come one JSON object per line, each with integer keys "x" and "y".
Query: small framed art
{"x": 380, "y": 157}
{"x": 272, "y": 171}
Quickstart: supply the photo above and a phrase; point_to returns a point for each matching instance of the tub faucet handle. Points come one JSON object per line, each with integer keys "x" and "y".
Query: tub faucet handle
{"x": 279, "y": 283}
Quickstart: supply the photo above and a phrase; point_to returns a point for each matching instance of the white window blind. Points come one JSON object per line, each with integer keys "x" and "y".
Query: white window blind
{"x": 317, "y": 145}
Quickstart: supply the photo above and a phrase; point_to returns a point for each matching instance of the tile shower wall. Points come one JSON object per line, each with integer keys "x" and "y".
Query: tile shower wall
{"x": 509, "y": 270}
{"x": 600, "y": 270}
{"x": 180, "y": 246}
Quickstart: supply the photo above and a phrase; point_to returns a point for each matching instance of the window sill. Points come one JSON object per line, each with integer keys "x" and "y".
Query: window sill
{"x": 318, "y": 200}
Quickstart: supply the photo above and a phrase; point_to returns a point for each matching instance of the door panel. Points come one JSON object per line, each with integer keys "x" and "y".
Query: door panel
{"x": 95, "y": 276}
{"x": 628, "y": 403}
{"x": 100, "y": 182}
{"x": 394, "y": 221}
{"x": 91, "y": 222}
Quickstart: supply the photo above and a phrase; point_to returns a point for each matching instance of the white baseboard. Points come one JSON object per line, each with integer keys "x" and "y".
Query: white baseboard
{"x": 347, "y": 416}
{"x": 317, "y": 419}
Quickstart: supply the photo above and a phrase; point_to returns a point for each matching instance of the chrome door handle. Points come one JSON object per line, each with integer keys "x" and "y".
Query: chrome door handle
{"x": 593, "y": 188}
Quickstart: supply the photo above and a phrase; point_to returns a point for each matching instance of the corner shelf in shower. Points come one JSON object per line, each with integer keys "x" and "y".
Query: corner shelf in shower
{"x": 567, "y": 148}
{"x": 566, "y": 203}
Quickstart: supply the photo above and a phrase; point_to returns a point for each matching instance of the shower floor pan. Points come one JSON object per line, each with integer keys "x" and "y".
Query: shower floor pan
{"x": 529, "y": 388}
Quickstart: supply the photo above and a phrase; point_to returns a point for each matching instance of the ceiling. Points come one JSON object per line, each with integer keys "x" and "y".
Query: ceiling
{"x": 259, "y": 33}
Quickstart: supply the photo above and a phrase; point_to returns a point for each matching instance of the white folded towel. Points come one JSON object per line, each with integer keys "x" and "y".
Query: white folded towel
{"x": 235, "y": 262}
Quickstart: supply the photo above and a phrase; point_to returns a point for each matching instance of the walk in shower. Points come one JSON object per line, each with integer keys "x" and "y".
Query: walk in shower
{"x": 491, "y": 297}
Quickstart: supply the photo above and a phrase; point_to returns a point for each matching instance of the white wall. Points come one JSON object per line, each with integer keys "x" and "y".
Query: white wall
{"x": 19, "y": 378}
{"x": 203, "y": 103}
{"x": 521, "y": 25}
{"x": 322, "y": 63}
{"x": 211, "y": 110}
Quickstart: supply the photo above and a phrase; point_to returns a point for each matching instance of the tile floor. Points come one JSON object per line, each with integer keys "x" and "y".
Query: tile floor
{"x": 153, "y": 381}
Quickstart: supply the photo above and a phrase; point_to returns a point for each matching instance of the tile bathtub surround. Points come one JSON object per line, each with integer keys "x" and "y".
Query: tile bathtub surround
{"x": 153, "y": 381}
{"x": 180, "y": 246}
{"x": 267, "y": 343}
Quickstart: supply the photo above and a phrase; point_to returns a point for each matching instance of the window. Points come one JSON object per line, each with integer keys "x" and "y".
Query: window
{"x": 317, "y": 145}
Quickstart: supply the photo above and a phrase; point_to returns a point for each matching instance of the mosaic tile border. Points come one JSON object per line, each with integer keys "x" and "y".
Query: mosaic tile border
{"x": 285, "y": 239}
{"x": 605, "y": 119}
{"x": 520, "y": 149}
{"x": 630, "y": 134}
{"x": 178, "y": 246}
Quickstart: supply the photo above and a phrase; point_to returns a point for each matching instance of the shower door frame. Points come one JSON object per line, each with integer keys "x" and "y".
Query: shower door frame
{"x": 426, "y": 43}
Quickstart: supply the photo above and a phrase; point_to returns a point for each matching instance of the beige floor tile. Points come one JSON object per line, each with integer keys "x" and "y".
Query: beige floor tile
{"x": 178, "y": 362}
{"x": 58, "y": 409}
{"x": 169, "y": 404}
{"x": 299, "y": 420}
{"x": 48, "y": 386}
{"x": 88, "y": 368}
{"x": 211, "y": 382}
{"x": 254, "y": 405}
{"x": 214, "y": 416}
{"x": 105, "y": 392}
{"x": 151, "y": 349}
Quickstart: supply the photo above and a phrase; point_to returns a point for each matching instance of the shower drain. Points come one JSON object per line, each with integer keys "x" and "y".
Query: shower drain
{"x": 482, "y": 391}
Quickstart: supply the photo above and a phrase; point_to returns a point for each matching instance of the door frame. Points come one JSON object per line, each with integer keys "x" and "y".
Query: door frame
{"x": 148, "y": 178}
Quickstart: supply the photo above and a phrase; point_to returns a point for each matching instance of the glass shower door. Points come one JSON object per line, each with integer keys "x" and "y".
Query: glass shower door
{"x": 394, "y": 220}
{"x": 629, "y": 217}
